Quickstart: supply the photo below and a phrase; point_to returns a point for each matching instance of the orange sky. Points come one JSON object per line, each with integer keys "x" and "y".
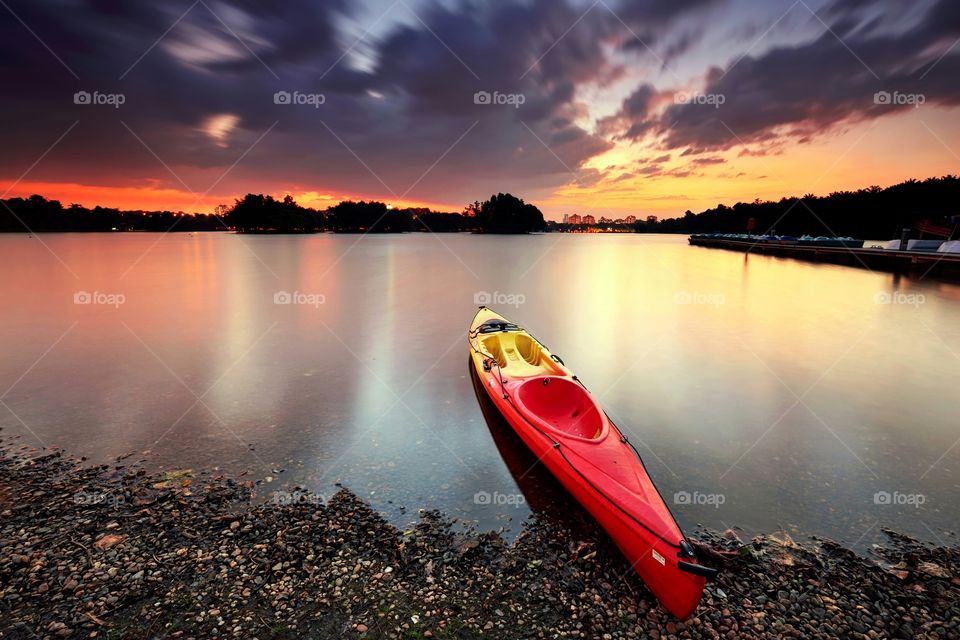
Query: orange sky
{"x": 153, "y": 198}
{"x": 882, "y": 152}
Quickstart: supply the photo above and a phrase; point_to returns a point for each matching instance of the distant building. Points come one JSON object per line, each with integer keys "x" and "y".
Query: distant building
{"x": 588, "y": 219}
{"x": 630, "y": 220}
{"x": 220, "y": 210}
{"x": 566, "y": 218}
{"x": 572, "y": 219}
{"x": 605, "y": 220}
{"x": 652, "y": 219}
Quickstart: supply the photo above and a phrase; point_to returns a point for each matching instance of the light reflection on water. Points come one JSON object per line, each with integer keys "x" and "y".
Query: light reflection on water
{"x": 783, "y": 386}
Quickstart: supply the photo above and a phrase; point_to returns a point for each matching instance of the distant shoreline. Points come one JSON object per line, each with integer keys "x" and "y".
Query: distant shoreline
{"x": 914, "y": 206}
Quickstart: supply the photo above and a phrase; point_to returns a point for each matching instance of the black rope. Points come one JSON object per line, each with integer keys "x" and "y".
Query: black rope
{"x": 624, "y": 438}
{"x": 493, "y": 363}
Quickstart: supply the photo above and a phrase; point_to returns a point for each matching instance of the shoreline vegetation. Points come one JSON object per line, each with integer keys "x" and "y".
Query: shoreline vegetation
{"x": 258, "y": 213}
{"x": 115, "y": 552}
{"x": 870, "y": 213}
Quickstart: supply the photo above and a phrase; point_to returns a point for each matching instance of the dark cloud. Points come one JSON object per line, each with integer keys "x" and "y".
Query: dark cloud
{"x": 653, "y": 171}
{"x": 797, "y": 92}
{"x": 636, "y": 115}
{"x": 682, "y": 44}
{"x": 226, "y": 62}
{"x": 383, "y": 123}
{"x": 658, "y": 12}
{"x": 403, "y": 102}
{"x": 647, "y": 20}
{"x": 637, "y": 104}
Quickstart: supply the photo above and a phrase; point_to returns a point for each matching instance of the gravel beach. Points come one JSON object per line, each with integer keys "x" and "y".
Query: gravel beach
{"x": 114, "y": 552}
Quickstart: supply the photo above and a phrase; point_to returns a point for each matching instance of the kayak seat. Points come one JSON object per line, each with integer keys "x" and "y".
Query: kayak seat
{"x": 518, "y": 353}
{"x": 561, "y": 404}
{"x": 529, "y": 349}
{"x": 492, "y": 346}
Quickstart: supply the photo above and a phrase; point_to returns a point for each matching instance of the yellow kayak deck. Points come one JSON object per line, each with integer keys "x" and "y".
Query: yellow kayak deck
{"x": 518, "y": 354}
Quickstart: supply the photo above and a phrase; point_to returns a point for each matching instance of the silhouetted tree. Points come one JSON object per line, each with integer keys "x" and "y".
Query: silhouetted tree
{"x": 39, "y": 214}
{"x": 367, "y": 217}
{"x": 505, "y": 213}
{"x": 442, "y": 222}
{"x": 260, "y": 213}
{"x": 872, "y": 213}
{"x": 472, "y": 209}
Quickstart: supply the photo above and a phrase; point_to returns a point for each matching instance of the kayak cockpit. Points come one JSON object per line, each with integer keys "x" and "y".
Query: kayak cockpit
{"x": 519, "y": 354}
{"x": 562, "y": 405}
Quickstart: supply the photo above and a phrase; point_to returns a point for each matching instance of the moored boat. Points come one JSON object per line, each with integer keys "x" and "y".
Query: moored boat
{"x": 562, "y": 424}
{"x": 830, "y": 241}
{"x": 926, "y": 246}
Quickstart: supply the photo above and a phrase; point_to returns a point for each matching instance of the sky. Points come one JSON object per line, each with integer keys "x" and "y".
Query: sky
{"x": 606, "y": 107}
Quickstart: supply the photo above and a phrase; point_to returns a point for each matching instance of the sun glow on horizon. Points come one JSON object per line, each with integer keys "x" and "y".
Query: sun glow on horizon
{"x": 151, "y": 197}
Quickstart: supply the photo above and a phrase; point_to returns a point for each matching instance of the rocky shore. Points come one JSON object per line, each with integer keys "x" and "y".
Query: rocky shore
{"x": 113, "y": 552}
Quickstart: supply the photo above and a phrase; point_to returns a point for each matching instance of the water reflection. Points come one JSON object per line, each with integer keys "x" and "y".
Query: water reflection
{"x": 782, "y": 384}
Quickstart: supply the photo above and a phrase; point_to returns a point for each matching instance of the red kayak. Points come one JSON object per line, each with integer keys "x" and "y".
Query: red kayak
{"x": 566, "y": 429}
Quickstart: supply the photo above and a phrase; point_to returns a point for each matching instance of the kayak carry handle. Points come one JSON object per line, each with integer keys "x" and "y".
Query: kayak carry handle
{"x": 698, "y": 569}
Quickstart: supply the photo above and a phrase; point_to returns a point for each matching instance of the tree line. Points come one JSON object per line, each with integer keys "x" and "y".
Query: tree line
{"x": 36, "y": 213}
{"x": 259, "y": 213}
{"x": 501, "y": 213}
{"x": 872, "y": 213}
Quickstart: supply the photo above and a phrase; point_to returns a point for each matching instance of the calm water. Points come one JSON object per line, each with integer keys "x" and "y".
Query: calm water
{"x": 766, "y": 392}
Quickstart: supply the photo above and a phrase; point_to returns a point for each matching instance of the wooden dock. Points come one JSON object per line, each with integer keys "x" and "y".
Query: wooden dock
{"x": 924, "y": 264}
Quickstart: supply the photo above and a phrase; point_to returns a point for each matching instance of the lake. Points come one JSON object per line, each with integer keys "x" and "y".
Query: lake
{"x": 762, "y": 392}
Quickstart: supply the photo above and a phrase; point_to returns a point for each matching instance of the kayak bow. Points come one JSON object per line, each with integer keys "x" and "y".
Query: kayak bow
{"x": 561, "y": 423}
